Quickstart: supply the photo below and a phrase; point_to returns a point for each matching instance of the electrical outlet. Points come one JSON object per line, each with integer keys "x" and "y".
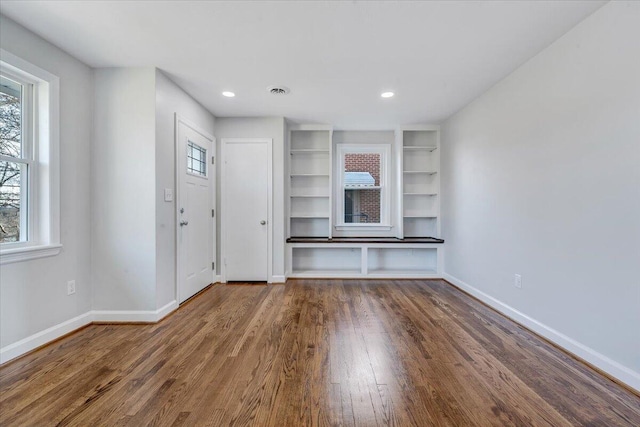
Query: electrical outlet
{"x": 71, "y": 287}
{"x": 517, "y": 282}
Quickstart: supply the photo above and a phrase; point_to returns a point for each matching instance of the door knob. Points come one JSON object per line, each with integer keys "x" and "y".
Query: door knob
{"x": 183, "y": 223}
{"x": 263, "y": 222}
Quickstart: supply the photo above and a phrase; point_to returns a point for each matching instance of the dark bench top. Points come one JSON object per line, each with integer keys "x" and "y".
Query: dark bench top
{"x": 364, "y": 240}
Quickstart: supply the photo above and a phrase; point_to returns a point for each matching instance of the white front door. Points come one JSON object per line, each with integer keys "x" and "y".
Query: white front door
{"x": 195, "y": 234}
{"x": 246, "y": 180}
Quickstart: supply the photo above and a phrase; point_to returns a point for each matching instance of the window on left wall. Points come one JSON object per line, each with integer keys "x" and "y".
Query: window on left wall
{"x": 16, "y": 164}
{"x": 29, "y": 161}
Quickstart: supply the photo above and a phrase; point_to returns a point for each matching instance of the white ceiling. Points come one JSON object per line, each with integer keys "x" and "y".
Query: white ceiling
{"x": 337, "y": 57}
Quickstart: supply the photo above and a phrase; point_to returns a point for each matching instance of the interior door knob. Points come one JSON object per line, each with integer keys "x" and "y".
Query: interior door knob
{"x": 263, "y": 222}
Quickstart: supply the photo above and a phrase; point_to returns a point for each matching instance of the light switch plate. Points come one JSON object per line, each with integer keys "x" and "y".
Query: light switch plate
{"x": 168, "y": 195}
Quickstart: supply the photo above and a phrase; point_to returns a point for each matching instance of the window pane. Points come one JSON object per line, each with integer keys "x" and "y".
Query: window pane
{"x": 364, "y": 163}
{"x": 10, "y": 118}
{"x": 362, "y": 206}
{"x": 196, "y": 159}
{"x": 12, "y": 205}
{"x": 361, "y": 188}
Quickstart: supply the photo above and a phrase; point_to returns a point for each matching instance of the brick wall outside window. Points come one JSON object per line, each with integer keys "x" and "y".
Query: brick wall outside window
{"x": 369, "y": 199}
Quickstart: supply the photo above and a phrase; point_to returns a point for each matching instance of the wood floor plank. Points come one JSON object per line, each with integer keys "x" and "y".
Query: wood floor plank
{"x": 313, "y": 353}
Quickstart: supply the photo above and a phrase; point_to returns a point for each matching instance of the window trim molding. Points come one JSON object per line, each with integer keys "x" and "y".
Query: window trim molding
{"x": 385, "y": 180}
{"x": 45, "y": 240}
{"x": 26, "y": 253}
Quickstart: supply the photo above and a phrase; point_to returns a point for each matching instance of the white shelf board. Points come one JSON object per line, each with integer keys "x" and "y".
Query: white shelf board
{"x": 320, "y": 273}
{"x": 321, "y": 216}
{"x": 400, "y": 272}
{"x": 422, "y": 172}
{"x": 326, "y": 275}
{"x": 419, "y": 148}
{"x": 353, "y": 274}
{"x": 309, "y": 150}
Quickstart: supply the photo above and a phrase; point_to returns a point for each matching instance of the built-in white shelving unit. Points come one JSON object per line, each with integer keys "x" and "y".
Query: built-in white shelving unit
{"x": 313, "y": 252}
{"x": 420, "y": 181}
{"x": 310, "y": 181}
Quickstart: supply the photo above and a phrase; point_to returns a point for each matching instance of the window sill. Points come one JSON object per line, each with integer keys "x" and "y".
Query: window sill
{"x": 363, "y": 227}
{"x": 26, "y": 253}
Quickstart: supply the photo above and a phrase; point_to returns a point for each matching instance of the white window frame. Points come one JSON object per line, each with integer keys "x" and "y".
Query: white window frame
{"x": 27, "y": 225}
{"x": 41, "y": 144}
{"x": 384, "y": 150}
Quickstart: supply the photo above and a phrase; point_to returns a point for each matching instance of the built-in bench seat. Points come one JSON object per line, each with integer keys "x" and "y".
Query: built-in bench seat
{"x": 364, "y": 240}
{"x": 364, "y": 257}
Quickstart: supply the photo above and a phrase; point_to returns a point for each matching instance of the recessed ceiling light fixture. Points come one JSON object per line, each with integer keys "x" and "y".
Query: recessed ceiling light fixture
{"x": 387, "y": 94}
{"x": 228, "y": 94}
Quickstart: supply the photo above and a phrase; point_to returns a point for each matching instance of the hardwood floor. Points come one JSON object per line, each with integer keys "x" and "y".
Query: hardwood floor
{"x": 313, "y": 352}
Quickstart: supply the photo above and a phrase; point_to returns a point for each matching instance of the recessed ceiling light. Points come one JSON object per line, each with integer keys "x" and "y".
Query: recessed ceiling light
{"x": 228, "y": 94}
{"x": 387, "y": 94}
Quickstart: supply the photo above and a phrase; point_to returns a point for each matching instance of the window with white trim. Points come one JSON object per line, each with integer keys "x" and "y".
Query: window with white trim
{"x": 29, "y": 170}
{"x": 15, "y": 159}
{"x": 363, "y": 186}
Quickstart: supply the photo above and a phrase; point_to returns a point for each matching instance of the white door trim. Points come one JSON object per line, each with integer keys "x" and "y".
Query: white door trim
{"x": 223, "y": 245}
{"x": 176, "y": 194}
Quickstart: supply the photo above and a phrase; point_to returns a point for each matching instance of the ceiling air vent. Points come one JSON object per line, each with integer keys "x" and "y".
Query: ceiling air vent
{"x": 278, "y": 90}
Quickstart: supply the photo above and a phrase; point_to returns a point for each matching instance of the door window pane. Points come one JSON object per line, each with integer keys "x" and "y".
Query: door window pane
{"x": 196, "y": 159}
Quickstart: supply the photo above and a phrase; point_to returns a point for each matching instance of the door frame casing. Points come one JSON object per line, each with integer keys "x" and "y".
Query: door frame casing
{"x": 176, "y": 196}
{"x": 223, "y": 194}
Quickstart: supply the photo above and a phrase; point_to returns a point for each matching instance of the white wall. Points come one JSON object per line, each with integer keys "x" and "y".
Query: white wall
{"x": 541, "y": 177}
{"x": 170, "y": 99}
{"x": 261, "y": 127}
{"x": 124, "y": 196}
{"x": 134, "y": 234}
{"x": 33, "y": 294}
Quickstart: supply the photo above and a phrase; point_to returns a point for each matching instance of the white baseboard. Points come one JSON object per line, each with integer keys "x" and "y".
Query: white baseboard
{"x": 278, "y": 279}
{"x": 36, "y": 340}
{"x": 611, "y": 367}
{"x": 151, "y": 316}
{"x": 166, "y": 310}
{"x": 217, "y": 278}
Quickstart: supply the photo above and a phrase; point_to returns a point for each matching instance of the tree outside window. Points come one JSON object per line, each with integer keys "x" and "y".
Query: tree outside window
{"x": 13, "y": 170}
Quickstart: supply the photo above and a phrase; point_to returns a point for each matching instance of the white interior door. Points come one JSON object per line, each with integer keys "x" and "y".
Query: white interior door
{"x": 195, "y": 234}
{"x": 246, "y": 180}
